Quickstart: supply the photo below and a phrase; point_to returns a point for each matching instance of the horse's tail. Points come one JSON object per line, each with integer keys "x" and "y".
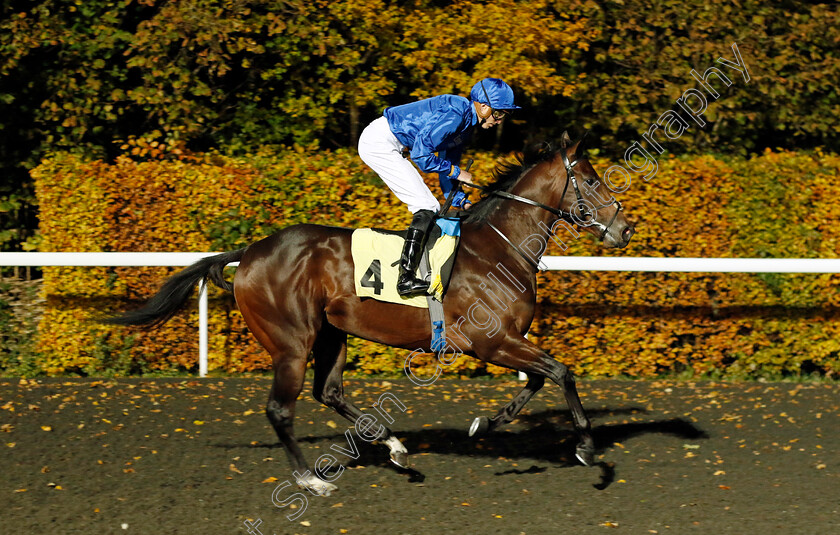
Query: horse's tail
{"x": 177, "y": 289}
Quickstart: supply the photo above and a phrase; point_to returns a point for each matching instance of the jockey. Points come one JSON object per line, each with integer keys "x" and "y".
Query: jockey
{"x": 418, "y": 131}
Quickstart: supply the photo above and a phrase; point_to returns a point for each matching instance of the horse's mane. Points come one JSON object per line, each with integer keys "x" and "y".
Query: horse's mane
{"x": 506, "y": 174}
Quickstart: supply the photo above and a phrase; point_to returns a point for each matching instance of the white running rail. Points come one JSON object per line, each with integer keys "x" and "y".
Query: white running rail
{"x": 126, "y": 260}
{"x": 568, "y": 263}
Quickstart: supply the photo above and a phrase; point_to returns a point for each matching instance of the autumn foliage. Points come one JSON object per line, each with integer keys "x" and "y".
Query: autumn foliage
{"x": 779, "y": 204}
{"x": 96, "y": 75}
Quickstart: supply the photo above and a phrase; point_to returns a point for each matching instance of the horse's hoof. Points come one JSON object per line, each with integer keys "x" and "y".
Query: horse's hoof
{"x": 400, "y": 458}
{"x": 479, "y": 426}
{"x": 316, "y": 485}
{"x": 585, "y": 455}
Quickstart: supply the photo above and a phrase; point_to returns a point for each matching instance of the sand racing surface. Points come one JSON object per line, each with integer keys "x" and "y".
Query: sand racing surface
{"x": 164, "y": 456}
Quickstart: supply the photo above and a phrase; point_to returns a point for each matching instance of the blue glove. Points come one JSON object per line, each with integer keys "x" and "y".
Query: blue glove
{"x": 460, "y": 200}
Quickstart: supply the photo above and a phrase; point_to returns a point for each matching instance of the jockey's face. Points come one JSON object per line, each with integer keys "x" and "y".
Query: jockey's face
{"x": 488, "y": 118}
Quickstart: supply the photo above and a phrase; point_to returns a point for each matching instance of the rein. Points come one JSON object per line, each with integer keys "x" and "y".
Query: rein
{"x": 570, "y": 177}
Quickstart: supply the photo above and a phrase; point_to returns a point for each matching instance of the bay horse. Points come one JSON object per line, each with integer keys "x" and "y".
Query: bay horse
{"x": 295, "y": 290}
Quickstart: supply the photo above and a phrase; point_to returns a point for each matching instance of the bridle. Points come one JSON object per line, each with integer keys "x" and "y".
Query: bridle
{"x": 586, "y": 213}
{"x": 570, "y": 177}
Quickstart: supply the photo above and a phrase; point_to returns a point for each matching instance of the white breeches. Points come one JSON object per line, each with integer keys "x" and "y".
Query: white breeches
{"x": 382, "y": 152}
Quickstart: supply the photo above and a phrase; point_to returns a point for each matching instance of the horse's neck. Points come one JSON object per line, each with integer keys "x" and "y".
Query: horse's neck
{"x": 520, "y": 222}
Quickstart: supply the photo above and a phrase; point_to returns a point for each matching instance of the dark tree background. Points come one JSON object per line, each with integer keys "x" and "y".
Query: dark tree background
{"x": 162, "y": 78}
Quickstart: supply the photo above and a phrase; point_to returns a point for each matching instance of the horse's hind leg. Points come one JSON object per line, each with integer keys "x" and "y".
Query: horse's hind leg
{"x": 330, "y": 354}
{"x": 508, "y": 413}
{"x": 289, "y": 344}
{"x": 280, "y": 410}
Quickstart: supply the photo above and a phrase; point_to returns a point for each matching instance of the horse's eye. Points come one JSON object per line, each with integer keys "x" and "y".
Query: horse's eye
{"x": 591, "y": 181}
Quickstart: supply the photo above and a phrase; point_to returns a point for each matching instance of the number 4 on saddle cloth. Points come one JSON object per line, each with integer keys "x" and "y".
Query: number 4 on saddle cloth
{"x": 376, "y": 257}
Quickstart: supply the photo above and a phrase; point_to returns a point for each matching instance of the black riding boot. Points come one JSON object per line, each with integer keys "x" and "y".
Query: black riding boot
{"x": 415, "y": 239}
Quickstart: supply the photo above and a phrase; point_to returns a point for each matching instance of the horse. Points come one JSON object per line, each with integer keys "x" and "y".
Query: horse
{"x": 295, "y": 290}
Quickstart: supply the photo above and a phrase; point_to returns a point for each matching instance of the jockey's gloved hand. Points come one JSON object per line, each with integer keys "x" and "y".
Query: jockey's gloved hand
{"x": 460, "y": 200}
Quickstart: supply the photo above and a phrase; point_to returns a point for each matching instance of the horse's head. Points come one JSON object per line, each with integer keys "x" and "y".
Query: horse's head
{"x": 563, "y": 183}
{"x": 586, "y": 198}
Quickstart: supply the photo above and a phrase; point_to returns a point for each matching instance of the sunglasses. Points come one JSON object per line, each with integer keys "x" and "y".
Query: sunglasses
{"x": 500, "y": 114}
{"x": 497, "y": 114}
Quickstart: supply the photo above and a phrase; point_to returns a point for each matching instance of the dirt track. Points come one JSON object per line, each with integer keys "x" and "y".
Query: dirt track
{"x": 198, "y": 456}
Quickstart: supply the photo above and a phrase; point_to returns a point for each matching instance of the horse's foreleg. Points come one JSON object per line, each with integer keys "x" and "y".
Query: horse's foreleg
{"x": 330, "y": 352}
{"x": 585, "y": 451}
{"x": 508, "y": 413}
{"x": 518, "y": 353}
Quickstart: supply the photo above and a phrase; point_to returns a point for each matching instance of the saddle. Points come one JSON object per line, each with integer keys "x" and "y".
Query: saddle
{"x": 376, "y": 255}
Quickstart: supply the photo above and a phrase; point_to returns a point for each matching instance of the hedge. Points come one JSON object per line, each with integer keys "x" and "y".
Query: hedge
{"x": 777, "y": 204}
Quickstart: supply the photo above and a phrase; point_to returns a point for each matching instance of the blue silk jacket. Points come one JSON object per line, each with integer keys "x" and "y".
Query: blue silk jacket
{"x": 439, "y": 124}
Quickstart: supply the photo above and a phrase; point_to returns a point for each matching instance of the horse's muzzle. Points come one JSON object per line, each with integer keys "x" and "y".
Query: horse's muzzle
{"x": 619, "y": 237}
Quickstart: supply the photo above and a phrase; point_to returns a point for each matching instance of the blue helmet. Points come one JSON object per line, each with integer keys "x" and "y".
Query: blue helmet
{"x": 495, "y": 93}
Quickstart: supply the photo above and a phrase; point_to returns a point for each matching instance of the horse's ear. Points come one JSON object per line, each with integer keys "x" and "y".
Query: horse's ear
{"x": 580, "y": 151}
{"x": 565, "y": 140}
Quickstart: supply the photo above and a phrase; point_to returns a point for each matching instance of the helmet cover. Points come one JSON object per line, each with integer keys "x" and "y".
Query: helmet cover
{"x": 495, "y": 93}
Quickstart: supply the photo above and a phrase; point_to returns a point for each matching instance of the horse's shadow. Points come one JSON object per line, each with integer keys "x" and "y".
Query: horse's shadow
{"x": 547, "y": 436}
{"x": 544, "y": 436}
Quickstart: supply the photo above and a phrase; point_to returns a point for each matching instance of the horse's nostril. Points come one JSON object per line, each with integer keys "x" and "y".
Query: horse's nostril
{"x": 627, "y": 233}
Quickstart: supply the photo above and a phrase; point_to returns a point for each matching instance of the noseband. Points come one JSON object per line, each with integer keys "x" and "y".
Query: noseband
{"x": 569, "y": 216}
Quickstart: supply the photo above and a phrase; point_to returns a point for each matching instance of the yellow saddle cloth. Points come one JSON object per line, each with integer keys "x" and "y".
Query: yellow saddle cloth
{"x": 376, "y": 258}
